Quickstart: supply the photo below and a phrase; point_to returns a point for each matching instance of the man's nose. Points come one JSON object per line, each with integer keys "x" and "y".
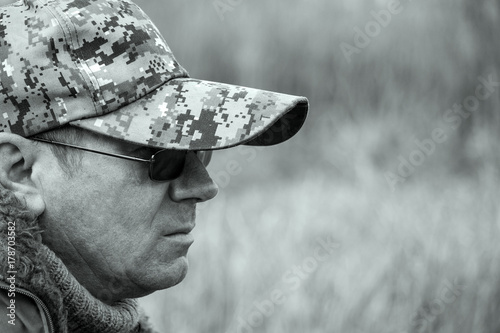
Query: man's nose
{"x": 194, "y": 182}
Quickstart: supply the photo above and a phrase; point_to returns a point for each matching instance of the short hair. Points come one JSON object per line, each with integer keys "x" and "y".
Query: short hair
{"x": 69, "y": 159}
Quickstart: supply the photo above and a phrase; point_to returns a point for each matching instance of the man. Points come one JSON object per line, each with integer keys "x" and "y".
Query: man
{"x": 103, "y": 149}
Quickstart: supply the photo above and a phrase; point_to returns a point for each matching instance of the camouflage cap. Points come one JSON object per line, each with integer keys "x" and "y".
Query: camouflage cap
{"x": 102, "y": 65}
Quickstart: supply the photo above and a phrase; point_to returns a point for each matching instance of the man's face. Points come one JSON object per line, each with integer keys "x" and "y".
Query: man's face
{"x": 119, "y": 233}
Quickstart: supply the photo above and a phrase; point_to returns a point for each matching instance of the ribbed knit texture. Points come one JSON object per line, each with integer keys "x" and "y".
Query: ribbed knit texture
{"x": 85, "y": 312}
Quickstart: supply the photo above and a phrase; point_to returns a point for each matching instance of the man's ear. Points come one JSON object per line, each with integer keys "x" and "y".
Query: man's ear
{"x": 17, "y": 156}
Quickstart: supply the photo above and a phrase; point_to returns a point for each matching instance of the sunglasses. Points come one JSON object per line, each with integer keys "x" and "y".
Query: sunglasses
{"x": 164, "y": 165}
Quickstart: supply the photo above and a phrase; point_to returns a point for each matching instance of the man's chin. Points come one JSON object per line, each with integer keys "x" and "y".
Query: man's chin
{"x": 180, "y": 272}
{"x": 164, "y": 277}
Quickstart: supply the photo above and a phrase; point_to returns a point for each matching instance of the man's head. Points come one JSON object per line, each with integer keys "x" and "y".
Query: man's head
{"x": 120, "y": 234}
{"x": 97, "y": 74}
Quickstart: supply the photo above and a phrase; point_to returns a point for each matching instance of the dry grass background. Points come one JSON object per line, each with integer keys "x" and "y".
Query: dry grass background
{"x": 421, "y": 258}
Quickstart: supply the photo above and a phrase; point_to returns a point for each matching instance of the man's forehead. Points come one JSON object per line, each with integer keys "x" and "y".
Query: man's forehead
{"x": 100, "y": 140}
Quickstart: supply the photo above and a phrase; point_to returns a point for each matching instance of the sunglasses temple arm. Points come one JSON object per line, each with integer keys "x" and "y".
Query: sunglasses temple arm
{"x": 92, "y": 150}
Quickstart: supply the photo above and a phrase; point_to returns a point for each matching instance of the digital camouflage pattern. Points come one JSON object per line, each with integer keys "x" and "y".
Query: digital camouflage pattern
{"x": 102, "y": 65}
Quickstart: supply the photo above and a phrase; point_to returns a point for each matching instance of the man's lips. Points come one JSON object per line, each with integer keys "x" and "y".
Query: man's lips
{"x": 181, "y": 231}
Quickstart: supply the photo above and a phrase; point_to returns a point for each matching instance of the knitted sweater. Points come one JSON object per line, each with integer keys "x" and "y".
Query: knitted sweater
{"x": 72, "y": 308}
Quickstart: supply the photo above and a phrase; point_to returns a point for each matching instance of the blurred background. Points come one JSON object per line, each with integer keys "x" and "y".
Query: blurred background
{"x": 381, "y": 214}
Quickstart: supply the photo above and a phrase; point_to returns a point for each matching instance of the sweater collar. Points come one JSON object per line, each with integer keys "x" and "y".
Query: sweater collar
{"x": 85, "y": 312}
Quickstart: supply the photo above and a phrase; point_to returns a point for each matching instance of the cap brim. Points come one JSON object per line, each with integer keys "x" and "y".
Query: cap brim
{"x": 192, "y": 114}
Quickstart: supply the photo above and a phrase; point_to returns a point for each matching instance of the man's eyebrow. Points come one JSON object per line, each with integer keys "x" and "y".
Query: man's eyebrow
{"x": 142, "y": 151}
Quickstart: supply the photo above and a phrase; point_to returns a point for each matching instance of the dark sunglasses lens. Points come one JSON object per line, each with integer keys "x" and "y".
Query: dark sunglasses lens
{"x": 167, "y": 165}
{"x": 205, "y": 156}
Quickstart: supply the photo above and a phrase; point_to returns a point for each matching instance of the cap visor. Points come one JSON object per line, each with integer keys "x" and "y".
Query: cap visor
{"x": 191, "y": 114}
